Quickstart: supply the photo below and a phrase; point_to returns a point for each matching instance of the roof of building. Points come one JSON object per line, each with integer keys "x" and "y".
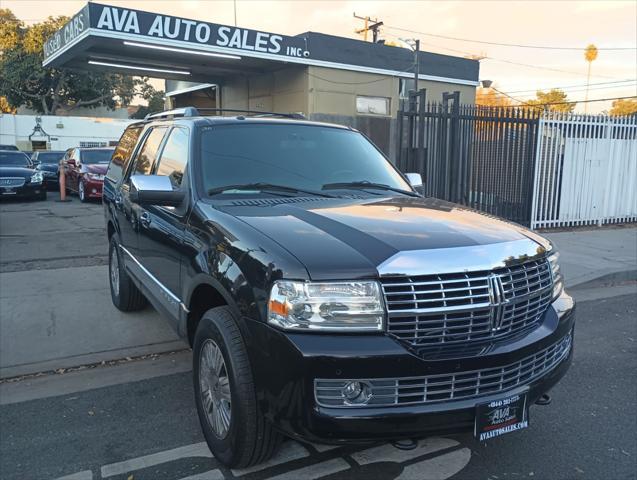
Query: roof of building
{"x": 146, "y": 43}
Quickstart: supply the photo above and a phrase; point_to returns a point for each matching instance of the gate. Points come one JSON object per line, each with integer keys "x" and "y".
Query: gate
{"x": 585, "y": 171}
{"x": 481, "y": 157}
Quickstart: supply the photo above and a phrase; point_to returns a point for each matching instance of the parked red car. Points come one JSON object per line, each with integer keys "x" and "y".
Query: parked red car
{"x": 84, "y": 170}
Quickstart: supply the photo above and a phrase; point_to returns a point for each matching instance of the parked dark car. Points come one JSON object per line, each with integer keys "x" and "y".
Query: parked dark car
{"x": 323, "y": 297}
{"x": 84, "y": 171}
{"x": 9, "y": 147}
{"x": 48, "y": 162}
{"x": 18, "y": 178}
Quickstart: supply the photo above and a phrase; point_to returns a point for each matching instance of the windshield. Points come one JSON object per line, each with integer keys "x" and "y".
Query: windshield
{"x": 298, "y": 156}
{"x": 50, "y": 157}
{"x": 96, "y": 156}
{"x": 14, "y": 159}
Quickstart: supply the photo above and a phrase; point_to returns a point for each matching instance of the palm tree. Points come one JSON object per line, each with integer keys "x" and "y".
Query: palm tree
{"x": 590, "y": 54}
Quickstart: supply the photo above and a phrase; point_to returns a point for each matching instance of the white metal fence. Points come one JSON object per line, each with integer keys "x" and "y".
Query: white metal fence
{"x": 585, "y": 171}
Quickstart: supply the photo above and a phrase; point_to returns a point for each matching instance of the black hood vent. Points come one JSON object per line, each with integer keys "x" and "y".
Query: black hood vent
{"x": 270, "y": 202}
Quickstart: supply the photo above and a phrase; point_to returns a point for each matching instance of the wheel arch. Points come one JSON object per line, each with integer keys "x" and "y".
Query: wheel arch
{"x": 206, "y": 293}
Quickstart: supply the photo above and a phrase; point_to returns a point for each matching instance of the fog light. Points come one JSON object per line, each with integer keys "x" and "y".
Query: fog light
{"x": 356, "y": 393}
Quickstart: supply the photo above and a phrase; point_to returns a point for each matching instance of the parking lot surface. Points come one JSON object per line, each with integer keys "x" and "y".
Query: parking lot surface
{"x": 56, "y": 305}
{"x": 135, "y": 418}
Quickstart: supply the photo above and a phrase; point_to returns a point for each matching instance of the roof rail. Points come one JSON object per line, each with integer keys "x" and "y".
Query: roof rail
{"x": 177, "y": 112}
{"x": 255, "y": 113}
{"x": 195, "y": 112}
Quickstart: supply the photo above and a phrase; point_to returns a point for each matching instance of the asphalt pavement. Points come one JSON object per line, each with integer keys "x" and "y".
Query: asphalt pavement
{"x": 98, "y": 397}
{"x": 147, "y": 428}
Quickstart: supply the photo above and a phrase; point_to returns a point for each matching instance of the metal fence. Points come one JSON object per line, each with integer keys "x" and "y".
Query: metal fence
{"x": 586, "y": 171}
{"x": 481, "y": 157}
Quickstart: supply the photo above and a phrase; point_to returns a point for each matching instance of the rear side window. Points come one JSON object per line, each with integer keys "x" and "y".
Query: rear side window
{"x": 148, "y": 154}
{"x": 174, "y": 156}
{"x": 122, "y": 155}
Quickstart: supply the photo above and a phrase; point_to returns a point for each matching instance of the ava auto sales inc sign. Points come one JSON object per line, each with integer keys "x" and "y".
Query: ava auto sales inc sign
{"x": 125, "y": 22}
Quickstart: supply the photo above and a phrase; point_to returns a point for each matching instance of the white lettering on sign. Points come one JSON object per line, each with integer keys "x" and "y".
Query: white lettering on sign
{"x": 202, "y": 33}
{"x": 160, "y": 26}
{"x": 119, "y": 20}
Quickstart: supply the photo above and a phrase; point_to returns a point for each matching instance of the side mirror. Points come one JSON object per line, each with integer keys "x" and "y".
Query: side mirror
{"x": 415, "y": 180}
{"x": 154, "y": 190}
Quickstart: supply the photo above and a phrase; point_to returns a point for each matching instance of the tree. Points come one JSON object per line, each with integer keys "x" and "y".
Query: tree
{"x": 553, "y": 101}
{"x": 24, "y": 82}
{"x": 155, "y": 99}
{"x": 488, "y": 97}
{"x": 623, "y": 107}
{"x": 5, "y": 107}
{"x": 590, "y": 55}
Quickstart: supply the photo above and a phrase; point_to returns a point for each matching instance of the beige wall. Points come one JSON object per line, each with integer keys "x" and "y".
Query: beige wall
{"x": 284, "y": 90}
{"x": 319, "y": 90}
{"x": 334, "y": 91}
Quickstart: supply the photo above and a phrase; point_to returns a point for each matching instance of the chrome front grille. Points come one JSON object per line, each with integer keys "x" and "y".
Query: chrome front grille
{"x": 466, "y": 307}
{"x": 384, "y": 392}
{"x": 11, "y": 181}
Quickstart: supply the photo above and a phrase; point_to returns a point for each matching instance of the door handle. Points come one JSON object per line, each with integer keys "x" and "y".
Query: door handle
{"x": 144, "y": 219}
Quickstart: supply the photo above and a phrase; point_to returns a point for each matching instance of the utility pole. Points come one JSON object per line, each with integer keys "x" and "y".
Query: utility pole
{"x": 374, "y": 27}
{"x": 416, "y": 63}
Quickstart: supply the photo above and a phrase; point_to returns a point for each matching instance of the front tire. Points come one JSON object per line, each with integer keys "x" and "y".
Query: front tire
{"x": 236, "y": 431}
{"x": 80, "y": 192}
{"x": 124, "y": 293}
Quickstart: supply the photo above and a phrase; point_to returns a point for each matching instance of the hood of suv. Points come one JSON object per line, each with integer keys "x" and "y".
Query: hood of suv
{"x": 337, "y": 237}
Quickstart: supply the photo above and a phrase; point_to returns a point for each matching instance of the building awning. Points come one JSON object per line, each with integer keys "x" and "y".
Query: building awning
{"x": 103, "y": 37}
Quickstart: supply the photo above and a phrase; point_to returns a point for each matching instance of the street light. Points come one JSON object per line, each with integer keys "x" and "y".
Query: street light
{"x": 414, "y": 44}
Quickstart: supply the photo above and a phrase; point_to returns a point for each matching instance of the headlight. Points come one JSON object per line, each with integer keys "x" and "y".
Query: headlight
{"x": 94, "y": 176}
{"x": 558, "y": 279}
{"x": 338, "y": 306}
{"x": 36, "y": 177}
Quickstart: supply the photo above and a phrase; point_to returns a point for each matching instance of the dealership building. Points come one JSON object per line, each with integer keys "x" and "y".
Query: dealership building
{"x": 210, "y": 65}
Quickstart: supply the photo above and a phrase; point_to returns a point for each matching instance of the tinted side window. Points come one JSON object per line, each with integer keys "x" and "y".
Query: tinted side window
{"x": 174, "y": 156}
{"x": 147, "y": 155}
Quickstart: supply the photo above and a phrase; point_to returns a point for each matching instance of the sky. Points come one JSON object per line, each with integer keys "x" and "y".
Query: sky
{"x": 571, "y": 24}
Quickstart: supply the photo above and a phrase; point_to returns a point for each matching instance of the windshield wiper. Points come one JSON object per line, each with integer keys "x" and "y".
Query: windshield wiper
{"x": 362, "y": 184}
{"x": 265, "y": 187}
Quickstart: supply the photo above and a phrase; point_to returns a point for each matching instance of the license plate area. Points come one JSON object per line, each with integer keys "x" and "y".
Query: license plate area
{"x": 8, "y": 191}
{"x": 502, "y": 416}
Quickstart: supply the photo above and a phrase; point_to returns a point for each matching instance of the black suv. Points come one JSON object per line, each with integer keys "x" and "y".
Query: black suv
{"x": 323, "y": 297}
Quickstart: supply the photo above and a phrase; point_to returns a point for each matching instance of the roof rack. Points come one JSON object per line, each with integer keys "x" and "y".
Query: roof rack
{"x": 197, "y": 112}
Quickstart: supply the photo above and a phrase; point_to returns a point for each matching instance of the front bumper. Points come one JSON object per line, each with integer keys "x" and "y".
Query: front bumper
{"x": 285, "y": 366}
{"x": 93, "y": 188}
{"x": 26, "y": 190}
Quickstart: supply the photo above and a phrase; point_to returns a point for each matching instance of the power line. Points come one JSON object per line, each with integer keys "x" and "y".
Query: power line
{"x": 566, "y": 87}
{"x": 517, "y": 45}
{"x": 525, "y": 102}
{"x": 511, "y": 62}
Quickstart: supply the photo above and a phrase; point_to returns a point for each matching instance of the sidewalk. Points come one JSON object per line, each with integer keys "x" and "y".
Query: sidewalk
{"x": 603, "y": 254}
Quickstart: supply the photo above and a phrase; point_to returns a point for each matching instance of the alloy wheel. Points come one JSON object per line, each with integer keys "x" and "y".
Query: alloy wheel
{"x": 214, "y": 382}
{"x": 114, "y": 267}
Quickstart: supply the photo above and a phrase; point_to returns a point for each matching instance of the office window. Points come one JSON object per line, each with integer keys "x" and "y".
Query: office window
{"x": 372, "y": 105}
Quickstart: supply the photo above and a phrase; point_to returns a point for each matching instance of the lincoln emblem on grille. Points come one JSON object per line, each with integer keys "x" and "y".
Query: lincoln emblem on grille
{"x": 498, "y": 301}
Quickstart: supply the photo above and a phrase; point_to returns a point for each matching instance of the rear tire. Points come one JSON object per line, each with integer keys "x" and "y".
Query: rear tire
{"x": 248, "y": 438}
{"x": 124, "y": 293}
